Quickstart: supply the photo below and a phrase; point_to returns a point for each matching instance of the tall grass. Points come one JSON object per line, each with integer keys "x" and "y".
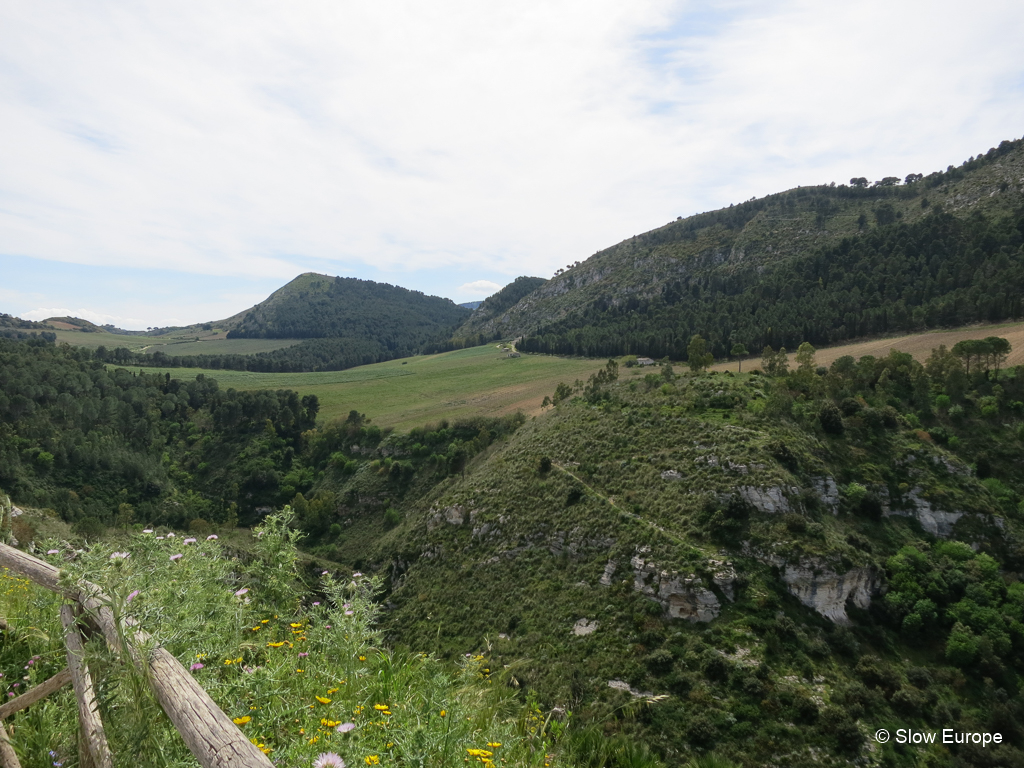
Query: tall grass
{"x": 300, "y": 668}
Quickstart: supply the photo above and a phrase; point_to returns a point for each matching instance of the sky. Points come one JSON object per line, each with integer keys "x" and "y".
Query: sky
{"x": 171, "y": 163}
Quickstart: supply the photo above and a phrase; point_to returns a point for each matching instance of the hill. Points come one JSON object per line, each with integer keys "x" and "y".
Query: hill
{"x": 821, "y": 264}
{"x": 772, "y": 567}
{"x": 490, "y": 315}
{"x": 316, "y": 306}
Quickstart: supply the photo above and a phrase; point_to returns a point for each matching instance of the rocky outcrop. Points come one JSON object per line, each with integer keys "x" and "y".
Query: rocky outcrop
{"x": 827, "y": 490}
{"x": 819, "y": 587}
{"x": 684, "y": 597}
{"x": 585, "y": 627}
{"x": 936, "y": 522}
{"x": 453, "y": 515}
{"x": 771, "y": 501}
{"x": 609, "y": 571}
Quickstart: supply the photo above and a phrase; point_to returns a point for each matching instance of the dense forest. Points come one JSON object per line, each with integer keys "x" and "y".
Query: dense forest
{"x": 941, "y": 271}
{"x": 322, "y": 307}
{"x": 107, "y": 446}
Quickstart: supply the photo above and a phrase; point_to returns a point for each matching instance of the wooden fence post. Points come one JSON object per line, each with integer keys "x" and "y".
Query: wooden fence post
{"x": 213, "y": 739}
{"x": 89, "y": 723}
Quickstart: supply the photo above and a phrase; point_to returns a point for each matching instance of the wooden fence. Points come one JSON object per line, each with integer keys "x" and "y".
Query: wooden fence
{"x": 215, "y": 741}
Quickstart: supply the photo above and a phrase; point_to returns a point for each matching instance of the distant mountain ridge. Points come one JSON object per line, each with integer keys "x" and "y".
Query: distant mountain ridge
{"x": 651, "y": 292}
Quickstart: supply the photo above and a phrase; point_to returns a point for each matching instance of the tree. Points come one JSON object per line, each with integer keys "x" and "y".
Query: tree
{"x": 738, "y": 351}
{"x": 999, "y": 350}
{"x": 697, "y": 355}
{"x": 912, "y": 177}
{"x": 858, "y": 181}
{"x": 805, "y": 358}
{"x": 774, "y": 363}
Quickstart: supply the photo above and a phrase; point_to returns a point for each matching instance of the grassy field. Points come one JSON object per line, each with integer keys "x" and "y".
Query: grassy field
{"x": 920, "y": 345}
{"x": 418, "y": 390}
{"x": 175, "y": 343}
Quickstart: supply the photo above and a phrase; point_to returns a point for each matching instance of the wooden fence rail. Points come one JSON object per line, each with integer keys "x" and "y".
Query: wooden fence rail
{"x": 209, "y": 734}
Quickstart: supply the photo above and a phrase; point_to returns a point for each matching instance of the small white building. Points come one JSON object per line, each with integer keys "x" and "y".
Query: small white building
{"x": 644, "y": 361}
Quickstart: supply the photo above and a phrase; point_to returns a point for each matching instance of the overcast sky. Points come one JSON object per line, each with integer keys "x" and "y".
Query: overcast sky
{"x": 168, "y": 163}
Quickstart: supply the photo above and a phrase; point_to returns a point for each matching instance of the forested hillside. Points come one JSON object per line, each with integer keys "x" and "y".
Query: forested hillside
{"x": 768, "y": 566}
{"x": 318, "y": 307}
{"x": 862, "y": 258}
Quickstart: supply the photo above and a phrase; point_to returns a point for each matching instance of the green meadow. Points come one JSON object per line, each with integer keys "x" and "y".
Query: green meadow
{"x": 414, "y": 391}
{"x": 192, "y": 343}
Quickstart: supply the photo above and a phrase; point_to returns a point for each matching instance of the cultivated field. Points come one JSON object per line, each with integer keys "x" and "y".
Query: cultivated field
{"x": 920, "y": 345}
{"x": 417, "y": 390}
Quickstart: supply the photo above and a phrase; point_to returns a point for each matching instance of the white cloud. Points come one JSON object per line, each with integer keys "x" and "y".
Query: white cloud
{"x": 241, "y": 139}
{"x": 478, "y": 289}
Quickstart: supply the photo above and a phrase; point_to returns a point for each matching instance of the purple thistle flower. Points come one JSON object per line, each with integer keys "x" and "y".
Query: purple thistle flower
{"x": 170, "y": 534}
{"x": 349, "y": 613}
{"x": 53, "y": 551}
{"x": 132, "y": 596}
{"x": 196, "y": 666}
{"x": 329, "y": 760}
{"x": 241, "y": 592}
{"x": 324, "y": 573}
{"x": 176, "y": 557}
{"x": 119, "y": 555}
{"x": 345, "y": 727}
{"x": 189, "y": 541}
{"x": 303, "y": 655}
{"x": 316, "y": 603}
{"x": 148, "y": 530}
{"x": 212, "y": 537}
{"x": 356, "y": 574}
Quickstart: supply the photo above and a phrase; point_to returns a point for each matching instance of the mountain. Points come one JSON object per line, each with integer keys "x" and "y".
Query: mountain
{"x": 819, "y": 264}
{"x": 470, "y": 304}
{"x": 316, "y": 306}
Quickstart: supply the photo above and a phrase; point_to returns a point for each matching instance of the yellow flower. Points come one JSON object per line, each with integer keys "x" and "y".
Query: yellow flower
{"x": 275, "y": 645}
{"x": 265, "y": 621}
{"x": 323, "y": 700}
{"x": 362, "y": 658}
{"x": 293, "y": 626}
{"x": 371, "y": 760}
{"x": 300, "y": 671}
{"x": 241, "y": 720}
{"x": 443, "y": 713}
{"x": 256, "y": 629}
{"x": 479, "y": 752}
{"x": 380, "y": 707}
{"x": 493, "y": 744}
{"x": 332, "y": 690}
{"x": 329, "y": 723}
{"x": 238, "y": 660}
{"x": 227, "y": 661}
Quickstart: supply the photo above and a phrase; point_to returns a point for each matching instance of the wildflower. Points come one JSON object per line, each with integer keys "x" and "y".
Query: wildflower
{"x": 329, "y": 760}
{"x": 333, "y": 690}
{"x": 189, "y": 541}
{"x": 148, "y": 530}
{"x": 381, "y": 707}
{"x": 493, "y": 744}
{"x": 371, "y": 760}
{"x": 349, "y": 613}
{"x": 300, "y": 671}
{"x": 196, "y": 666}
{"x": 241, "y": 720}
{"x": 159, "y": 538}
{"x": 329, "y": 723}
{"x": 443, "y": 713}
{"x": 176, "y": 557}
{"x": 362, "y": 658}
{"x": 132, "y": 596}
{"x": 53, "y": 551}
{"x": 303, "y": 655}
{"x": 479, "y": 752}
{"x": 316, "y": 602}
{"x": 170, "y": 535}
{"x": 212, "y": 537}
{"x": 294, "y": 625}
{"x": 345, "y": 727}
{"x": 265, "y": 621}
{"x": 356, "y": 574}
{"x": 119, "y": 555}
{"x": 241, "y": 592}
{"x": 323, "y": 700}
{"x": 324, "y": 573}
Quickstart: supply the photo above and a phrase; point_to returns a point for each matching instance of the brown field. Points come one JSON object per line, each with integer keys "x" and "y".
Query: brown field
{"x": 920, "y": 345}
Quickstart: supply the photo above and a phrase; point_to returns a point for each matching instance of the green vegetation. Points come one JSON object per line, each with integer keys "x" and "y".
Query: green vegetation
{"x": 938, "y": 272}
{"x": 408, "y": 393}
{"x": 295, "y": 659}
